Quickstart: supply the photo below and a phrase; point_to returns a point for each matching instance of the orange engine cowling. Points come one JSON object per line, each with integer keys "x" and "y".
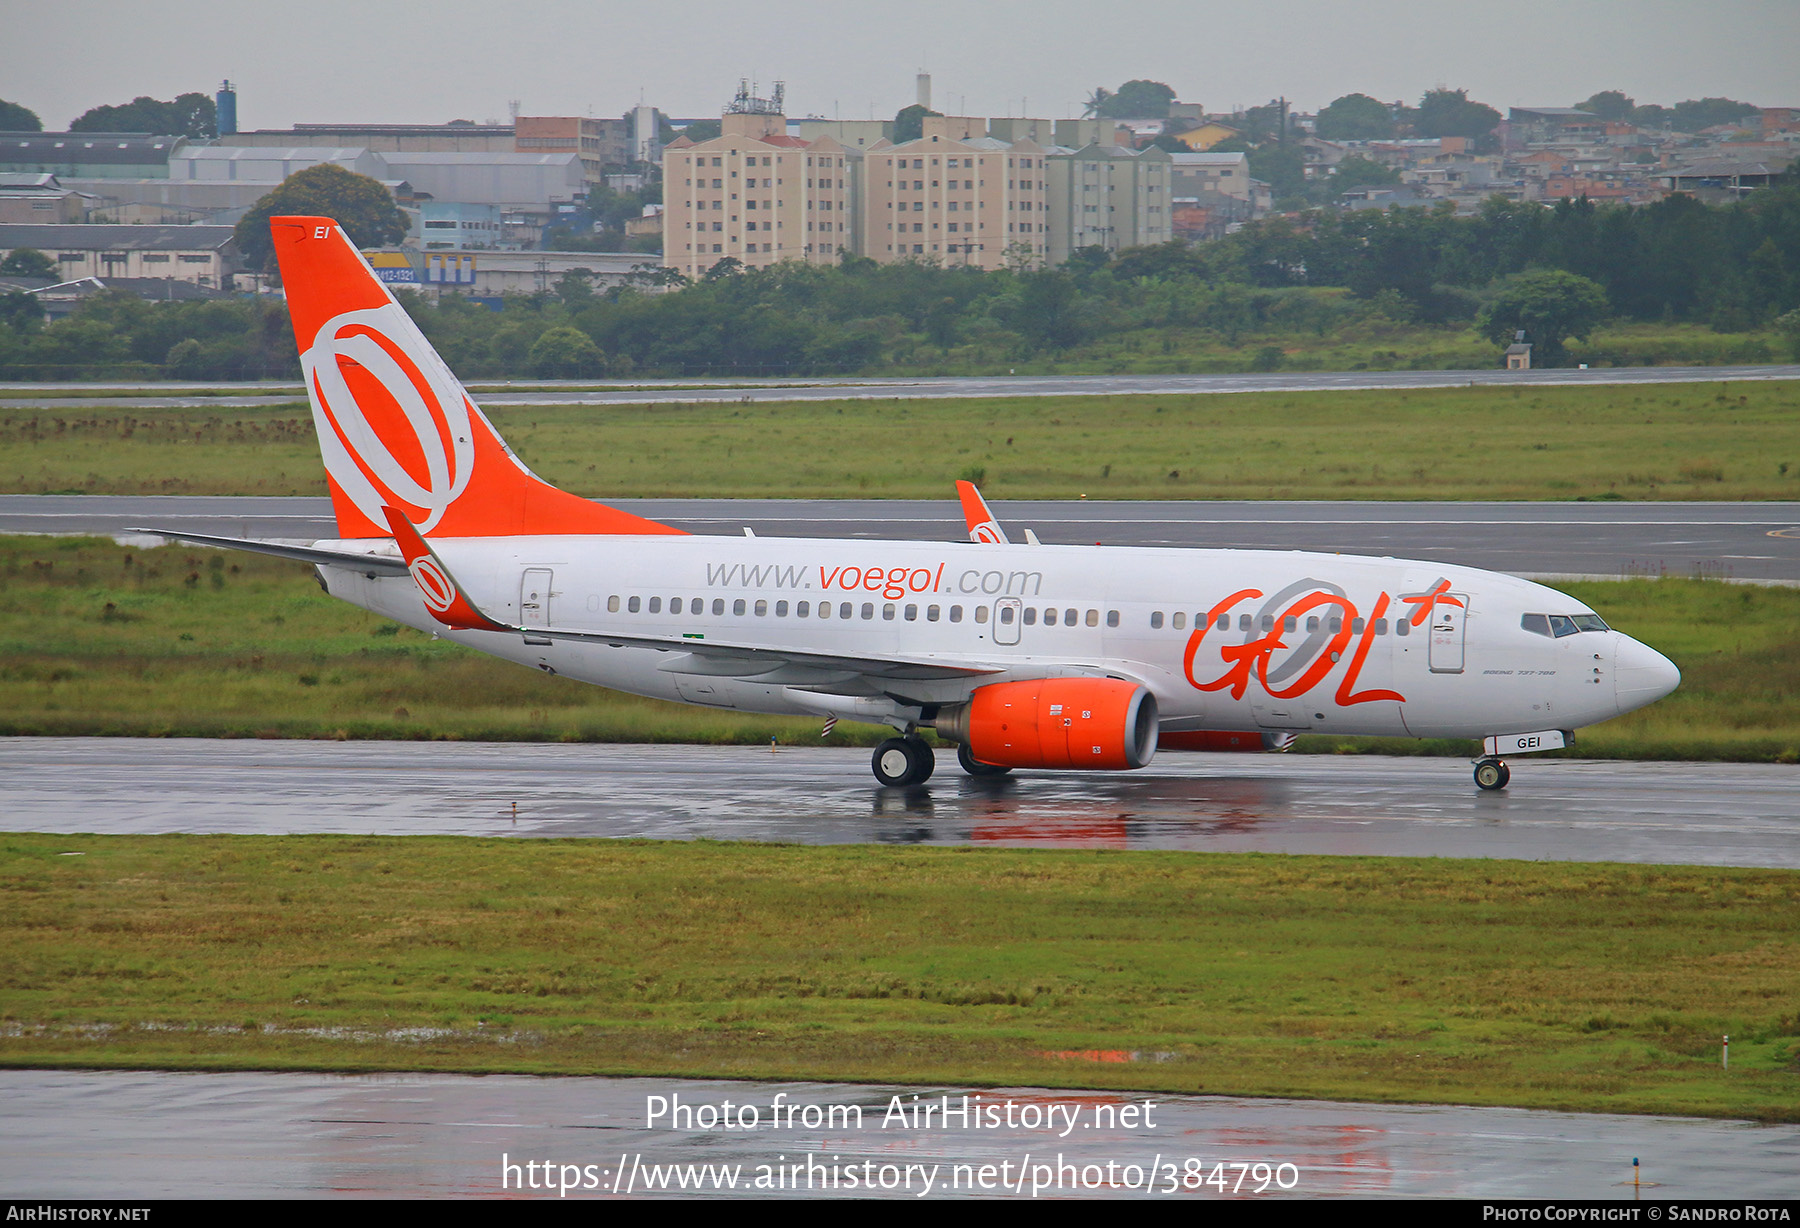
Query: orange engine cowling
{"x": 1222, "y": 741}
{"x": 1083, "y": 723}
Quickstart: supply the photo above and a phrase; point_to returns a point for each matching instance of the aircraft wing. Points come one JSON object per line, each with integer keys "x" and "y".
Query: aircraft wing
{"x": 372, "y": 564}
{"x": 445, "y": 598}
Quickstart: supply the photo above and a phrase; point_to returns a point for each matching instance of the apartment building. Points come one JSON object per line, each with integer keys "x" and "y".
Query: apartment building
{"x": 957, "y": 196}
{"x": 1108, "y": 196}
{"x": 758, "y": 195}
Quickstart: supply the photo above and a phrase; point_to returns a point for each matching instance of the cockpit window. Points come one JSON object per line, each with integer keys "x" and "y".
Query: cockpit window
{"x": 1559, "y": 625}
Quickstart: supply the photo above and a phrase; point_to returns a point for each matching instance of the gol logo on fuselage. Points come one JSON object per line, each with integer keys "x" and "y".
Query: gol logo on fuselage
{"x": 1333, "y": 623}
{"x": 422, "y": 411}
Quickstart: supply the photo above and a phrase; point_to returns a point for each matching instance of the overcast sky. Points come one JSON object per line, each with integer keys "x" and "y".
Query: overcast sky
{"x": 378, "y": 61}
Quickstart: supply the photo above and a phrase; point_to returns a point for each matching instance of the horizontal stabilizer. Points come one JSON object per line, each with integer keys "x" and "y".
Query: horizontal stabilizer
{"x": 373, "y": 564}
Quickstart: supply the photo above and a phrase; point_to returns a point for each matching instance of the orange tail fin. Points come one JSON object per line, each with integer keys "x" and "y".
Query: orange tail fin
{"x": 395, "y": 427}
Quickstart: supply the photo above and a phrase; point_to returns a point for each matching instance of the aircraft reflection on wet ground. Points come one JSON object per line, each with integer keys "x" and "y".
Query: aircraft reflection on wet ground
{"x": 1114, "y": 812}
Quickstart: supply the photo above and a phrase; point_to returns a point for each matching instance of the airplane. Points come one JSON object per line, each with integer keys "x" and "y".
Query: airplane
{"x": 1025, "y": 655}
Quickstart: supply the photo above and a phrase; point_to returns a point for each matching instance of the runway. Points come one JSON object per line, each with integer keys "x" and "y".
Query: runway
{"x": 1555, "y": 810}
{"x": 662, "y": 392}
{"x": 142, "y": 1135}
{"x": 1741, "y": 541}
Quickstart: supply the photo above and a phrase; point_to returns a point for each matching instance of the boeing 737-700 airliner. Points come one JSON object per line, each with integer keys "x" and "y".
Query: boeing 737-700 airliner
{"x": 1025, "y": 655}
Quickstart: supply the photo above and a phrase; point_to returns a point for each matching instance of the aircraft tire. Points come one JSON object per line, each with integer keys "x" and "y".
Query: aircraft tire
{"x": 899, "y": 762}
{"x": 1492, "y": 774}
{"x": 927, "y": 760}
{"x": 975, "y": 767}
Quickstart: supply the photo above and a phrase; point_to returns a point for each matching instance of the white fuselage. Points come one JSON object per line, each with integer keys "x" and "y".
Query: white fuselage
{"x": 1320, "y": 642}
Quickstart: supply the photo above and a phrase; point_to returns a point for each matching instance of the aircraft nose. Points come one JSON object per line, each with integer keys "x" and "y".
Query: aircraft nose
{"x": 1641, "y": 675}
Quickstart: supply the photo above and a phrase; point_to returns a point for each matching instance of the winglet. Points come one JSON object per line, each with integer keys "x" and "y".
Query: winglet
{"x": 443, "y": 596}
{"x": 982, "y": 525}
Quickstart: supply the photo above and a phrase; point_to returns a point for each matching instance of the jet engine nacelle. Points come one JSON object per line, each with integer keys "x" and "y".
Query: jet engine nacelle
{"x": 1223, "y": 742}
{"x": 1082, "y": 723}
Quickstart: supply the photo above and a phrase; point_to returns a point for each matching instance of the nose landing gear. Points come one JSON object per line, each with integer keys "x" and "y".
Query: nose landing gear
{"x": 1492, "y": 774}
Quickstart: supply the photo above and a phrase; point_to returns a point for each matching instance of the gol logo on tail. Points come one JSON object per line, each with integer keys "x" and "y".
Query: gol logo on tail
{"x": 419, "y": 449}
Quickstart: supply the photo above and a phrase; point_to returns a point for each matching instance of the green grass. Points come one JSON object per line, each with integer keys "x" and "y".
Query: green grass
{"x": 1672, "y": 441}
{"x": 97, "y": 638}
{"x": 1568, "y": 986}
{"x": 1372, "y": 344}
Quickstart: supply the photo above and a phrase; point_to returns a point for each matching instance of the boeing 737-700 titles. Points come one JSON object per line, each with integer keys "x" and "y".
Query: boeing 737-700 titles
{"x": 1023, "y": 654}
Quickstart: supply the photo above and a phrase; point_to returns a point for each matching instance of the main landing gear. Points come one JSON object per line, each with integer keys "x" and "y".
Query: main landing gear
{"x": 975, "y": 767}
{"x": 1491, "y": 774}
{"x": 903, "y": 762}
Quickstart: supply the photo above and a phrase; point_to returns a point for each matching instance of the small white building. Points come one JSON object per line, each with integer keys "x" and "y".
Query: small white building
{"x": 202, "y": 255}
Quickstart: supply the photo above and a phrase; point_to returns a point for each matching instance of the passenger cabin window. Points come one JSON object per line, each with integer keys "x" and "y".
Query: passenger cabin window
{"x": 981, "y": 613}
{"x": 1156, "y": 620}
{"x": 632, "y": 606}
{"x": 1112, "y": 618}
{"x": 612, "y": 605}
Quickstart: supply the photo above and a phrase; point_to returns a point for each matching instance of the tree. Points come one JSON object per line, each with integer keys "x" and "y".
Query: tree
{"x": 703, "y": 130}
{"x": 1354, "y": 172}
{"x": 191, "y": 115}
{"x": 356, "y": 202}
{"x": 1697, "y": 114}
{"x": 1549, "y": 305}
{"x": 563, "y": 351}
{"x": 909, "y": 123}
{"x": 1355, "y": 117}
{"x": 1282, "y": 167}
{"x": 28, "y": 262}
{"x": 1451, "y": 113}
{"x": 15, "y": 118}
{"x": 23, "y": 313}
{"x": 1610, "y": 105}
{"x": 1135, "y": 100}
